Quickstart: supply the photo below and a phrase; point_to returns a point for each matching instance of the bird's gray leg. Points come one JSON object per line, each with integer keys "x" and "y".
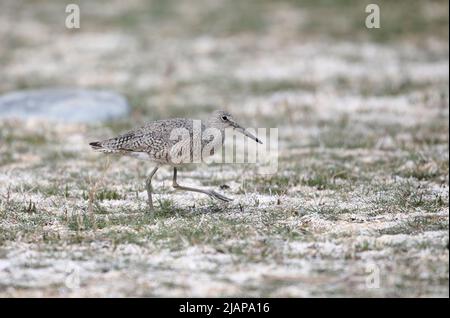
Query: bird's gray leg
{"x": 211, "y": 193}
{"x": 148, "y": 184}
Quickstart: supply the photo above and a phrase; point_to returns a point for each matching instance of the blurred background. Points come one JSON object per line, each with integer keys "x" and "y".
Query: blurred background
{"x": 363, "y": 149}
{"x": 172, "y": 57}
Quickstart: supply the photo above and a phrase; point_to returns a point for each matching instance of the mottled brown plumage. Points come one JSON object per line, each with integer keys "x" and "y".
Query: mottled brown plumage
{"x": 164, "y": 141}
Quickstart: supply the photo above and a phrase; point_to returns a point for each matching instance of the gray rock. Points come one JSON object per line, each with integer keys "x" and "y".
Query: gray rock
{"x": 67, "y": 105}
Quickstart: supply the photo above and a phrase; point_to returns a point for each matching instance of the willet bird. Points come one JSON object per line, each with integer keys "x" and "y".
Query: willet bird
{"x": 155, "y": 142}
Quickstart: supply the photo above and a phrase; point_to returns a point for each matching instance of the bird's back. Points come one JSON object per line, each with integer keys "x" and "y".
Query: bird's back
{"x": 156, "y": 141}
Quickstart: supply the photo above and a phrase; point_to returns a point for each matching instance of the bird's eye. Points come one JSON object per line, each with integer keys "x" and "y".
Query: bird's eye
{"x": 224, "y": 118}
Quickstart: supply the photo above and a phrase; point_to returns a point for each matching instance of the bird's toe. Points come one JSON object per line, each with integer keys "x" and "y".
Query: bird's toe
{"x": 220, "y": 197}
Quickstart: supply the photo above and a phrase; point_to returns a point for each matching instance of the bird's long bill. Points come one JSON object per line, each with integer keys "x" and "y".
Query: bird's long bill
{"x": 242, "y": 130}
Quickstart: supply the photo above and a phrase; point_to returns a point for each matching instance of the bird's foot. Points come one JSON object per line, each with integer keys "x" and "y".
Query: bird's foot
{"x": 219, "y": 196}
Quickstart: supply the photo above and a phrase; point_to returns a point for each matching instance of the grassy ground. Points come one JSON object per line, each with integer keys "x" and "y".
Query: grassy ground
{"x": 363, "y": 181}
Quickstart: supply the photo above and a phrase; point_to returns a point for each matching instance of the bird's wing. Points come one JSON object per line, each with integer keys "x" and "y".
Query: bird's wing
{"x": 154, "y": 137}
{"x": 125, "y": 142}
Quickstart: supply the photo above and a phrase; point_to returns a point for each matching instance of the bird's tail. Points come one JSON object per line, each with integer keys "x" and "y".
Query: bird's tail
{"x": 96, "y": 145}
{"x": 101, "y": 147}
{"x": 117, "y": 144}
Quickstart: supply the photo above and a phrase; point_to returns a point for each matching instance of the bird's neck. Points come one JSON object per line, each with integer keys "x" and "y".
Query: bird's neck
{"x": 212, "y": 124}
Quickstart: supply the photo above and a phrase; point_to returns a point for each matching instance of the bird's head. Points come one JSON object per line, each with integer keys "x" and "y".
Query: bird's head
{"x": 221, "y": 119}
